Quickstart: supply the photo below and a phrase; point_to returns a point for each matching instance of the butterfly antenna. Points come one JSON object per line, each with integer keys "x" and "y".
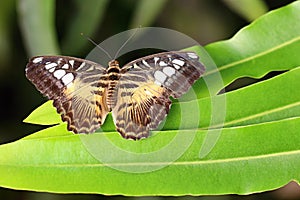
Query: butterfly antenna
{"x": 97, "y": 45}
{"x": 126, "y": 42}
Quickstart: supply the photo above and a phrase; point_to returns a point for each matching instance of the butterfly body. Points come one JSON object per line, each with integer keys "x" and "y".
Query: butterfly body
{"x": 137, "y": 94}
{"x": 113, "y": 76}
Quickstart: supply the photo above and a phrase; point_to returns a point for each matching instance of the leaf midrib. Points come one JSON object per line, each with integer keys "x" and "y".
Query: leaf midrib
{"x": 177, "y": 163}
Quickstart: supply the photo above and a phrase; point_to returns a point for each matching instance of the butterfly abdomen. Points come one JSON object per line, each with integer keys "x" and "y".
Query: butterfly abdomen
{"x": 113, "y": 74}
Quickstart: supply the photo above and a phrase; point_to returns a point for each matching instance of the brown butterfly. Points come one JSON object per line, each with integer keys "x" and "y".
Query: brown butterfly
{"x": 137, "y": 94}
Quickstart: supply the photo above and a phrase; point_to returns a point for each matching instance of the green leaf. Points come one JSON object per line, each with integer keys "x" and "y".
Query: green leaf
{"x": 249, "y": 9}
{"x": 63, "y": 164}
{"x": 271, "y": 43}
{"x": 38, "y": 26}
{"x": 7, "y": 14}
{"x": 46, "y": 114}
{"x": 86, "y": 19}
{"x": 262, "y": 102}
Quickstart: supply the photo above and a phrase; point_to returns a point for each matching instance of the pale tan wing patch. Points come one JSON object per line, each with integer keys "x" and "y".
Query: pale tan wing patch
{"x": 75, "y": 87}
{"x": 84, "y": 110}
{"x": 140, "y": 109}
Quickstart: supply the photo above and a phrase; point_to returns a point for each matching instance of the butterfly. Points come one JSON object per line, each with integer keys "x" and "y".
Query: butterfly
{"x": 137, "y": 94}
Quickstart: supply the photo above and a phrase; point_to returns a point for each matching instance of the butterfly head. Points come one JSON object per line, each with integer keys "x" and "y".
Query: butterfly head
{"x": 114, "y": 64}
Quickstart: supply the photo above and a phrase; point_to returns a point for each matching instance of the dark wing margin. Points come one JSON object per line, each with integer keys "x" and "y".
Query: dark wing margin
{"x": 73, "y": 85}
{"x": 145, "y": 88}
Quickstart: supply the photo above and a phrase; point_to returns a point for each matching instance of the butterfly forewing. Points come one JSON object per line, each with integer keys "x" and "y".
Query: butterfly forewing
{"x": 145, "y": 87}
{"x": 176, "y": 70}
{"x": 75, "y": 87}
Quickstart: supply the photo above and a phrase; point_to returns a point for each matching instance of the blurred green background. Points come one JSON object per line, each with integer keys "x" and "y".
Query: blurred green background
{"x": 35, "y": 27}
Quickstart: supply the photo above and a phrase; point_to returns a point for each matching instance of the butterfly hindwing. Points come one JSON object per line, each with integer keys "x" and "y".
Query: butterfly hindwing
{"x": 140, "y": 109}
{"x": 74, "y": 86}
{"x": 145, "y": 88}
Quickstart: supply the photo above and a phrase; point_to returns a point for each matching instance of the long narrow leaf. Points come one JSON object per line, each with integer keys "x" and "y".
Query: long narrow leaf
{"x": 271, "y": 43}
{"x": 37, "y": 20}
{"x": 146, "y": 12}
{"x": 242, "y": 162}
{"x": 249, "y": 9}
{"x": 86, "y": 18}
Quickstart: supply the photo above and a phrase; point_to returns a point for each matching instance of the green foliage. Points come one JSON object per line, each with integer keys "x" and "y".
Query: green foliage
{"x": 249, "y": 9}
{"x": 146, "y": 12}
{"x": 86, "y": 18}
{"x": 38, "y": 40}
{"x": 268, "y": 44}
{"x": 6, "y": 12}
{"x": 44, "y": 115}
{"x": 257, "y": 150}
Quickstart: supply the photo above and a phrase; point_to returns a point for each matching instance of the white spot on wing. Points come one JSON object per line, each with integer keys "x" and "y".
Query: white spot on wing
{"x": 68, "y": 78}
{"x": 82, "y": 65}
{"x": 65, "y": 66}
{"x": 59, "y": 60}
{"x": 37, "y": 60}
{"x": 135, "y": 65}
{"x": 59, "y": 73}
{"x": 192, "y": 55}
{"x": 71, "y": 62}
{"x": 145, "y": 63}
{"x": 170, "y": 71}
{"x": 50, "y": 65}
{"x": 162, "y": 63}
{"x": 178, "y": 62}
{"x": 52, "y": 70}
{"x": 176, "y": 66}
{"x": 155, "y": 60}
{"x": 160, "y": 77}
